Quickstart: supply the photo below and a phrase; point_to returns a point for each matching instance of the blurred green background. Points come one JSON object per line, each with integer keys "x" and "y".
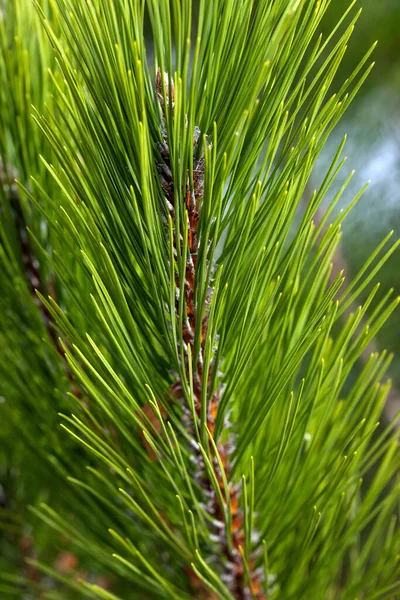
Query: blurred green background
{"x": 373, "y": 150}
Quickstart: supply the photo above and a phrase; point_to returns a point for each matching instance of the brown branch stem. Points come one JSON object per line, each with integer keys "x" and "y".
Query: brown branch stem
{"x": 229, "y": 555}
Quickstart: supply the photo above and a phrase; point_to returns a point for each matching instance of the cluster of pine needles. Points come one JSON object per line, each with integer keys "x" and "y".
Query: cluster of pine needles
{"x": 184, "y": 411}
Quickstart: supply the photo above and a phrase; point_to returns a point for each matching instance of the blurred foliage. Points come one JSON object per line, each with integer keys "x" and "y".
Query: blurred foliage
{"x": 379, "y": 21}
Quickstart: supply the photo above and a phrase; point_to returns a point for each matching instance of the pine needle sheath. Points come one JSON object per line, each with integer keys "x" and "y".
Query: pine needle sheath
{"x": 229, "y": 554}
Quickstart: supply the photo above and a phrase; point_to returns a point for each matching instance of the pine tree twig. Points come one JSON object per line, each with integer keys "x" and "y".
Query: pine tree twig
{"x": 140, "y": 186}
{"x": 234, "y": 575}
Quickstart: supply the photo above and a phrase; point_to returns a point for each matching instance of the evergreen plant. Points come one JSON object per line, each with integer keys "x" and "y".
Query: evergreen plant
{"x": 184, "y": 408}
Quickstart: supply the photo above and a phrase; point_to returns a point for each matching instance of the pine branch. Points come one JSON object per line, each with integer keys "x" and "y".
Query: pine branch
{"x": 184, "y": 276}
{"x": 230, "y": 544}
